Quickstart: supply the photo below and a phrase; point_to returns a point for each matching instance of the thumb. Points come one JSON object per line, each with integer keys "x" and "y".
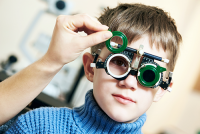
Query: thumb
{"x": 95, "y": 38}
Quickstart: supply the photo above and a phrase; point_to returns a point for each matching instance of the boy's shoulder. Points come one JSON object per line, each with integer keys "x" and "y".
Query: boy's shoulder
{"x": 43, "y": 114}
{"x": 45, "y": 119}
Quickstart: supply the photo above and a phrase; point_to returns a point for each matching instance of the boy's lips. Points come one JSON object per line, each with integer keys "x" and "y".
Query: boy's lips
{"x": 122, "y": 99}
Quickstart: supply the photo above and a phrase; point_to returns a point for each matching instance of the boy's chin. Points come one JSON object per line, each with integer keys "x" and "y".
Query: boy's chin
{"x": 125, "y": 120}
{"x": 122, "y": 117}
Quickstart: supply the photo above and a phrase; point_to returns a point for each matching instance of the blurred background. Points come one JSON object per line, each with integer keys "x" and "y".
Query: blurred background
{"x": 25, "y": 32}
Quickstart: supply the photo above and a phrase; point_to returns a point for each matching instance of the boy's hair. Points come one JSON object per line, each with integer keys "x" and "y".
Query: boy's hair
{"x": 135, "y": 20}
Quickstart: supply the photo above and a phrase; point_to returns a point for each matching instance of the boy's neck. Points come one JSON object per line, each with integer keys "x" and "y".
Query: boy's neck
{"x": 91, "y": 117}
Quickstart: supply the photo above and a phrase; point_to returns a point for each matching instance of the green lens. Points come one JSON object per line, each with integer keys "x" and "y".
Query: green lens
{"x": 148, "y": 76}
{"x": 124, "y": 45}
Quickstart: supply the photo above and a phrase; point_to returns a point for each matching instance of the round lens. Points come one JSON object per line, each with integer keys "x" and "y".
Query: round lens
{"x": 118, "y": 65}
{"x": 124, "y": 45}
{"x": 149, "y": 76}
{"x": 117, "y": 40}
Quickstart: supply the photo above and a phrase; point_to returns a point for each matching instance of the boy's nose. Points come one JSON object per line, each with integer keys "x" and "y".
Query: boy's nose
{"x": 130, "y": 82}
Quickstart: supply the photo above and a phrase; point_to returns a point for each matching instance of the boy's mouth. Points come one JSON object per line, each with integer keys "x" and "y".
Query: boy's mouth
{"x": 122, "y": 99}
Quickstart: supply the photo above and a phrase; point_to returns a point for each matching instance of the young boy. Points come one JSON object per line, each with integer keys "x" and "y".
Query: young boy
{"x": 114, "y": 105}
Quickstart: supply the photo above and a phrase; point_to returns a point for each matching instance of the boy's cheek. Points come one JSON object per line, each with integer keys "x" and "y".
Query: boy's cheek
{"x": 101, "y": 75}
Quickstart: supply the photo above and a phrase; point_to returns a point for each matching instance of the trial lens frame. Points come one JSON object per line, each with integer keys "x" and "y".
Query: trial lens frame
{"x": 149, "y": 57}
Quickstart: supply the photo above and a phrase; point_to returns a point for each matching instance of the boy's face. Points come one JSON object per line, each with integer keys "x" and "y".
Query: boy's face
{"x": 112, "y": 94}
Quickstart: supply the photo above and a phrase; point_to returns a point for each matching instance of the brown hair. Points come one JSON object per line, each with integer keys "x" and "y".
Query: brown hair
{"x": 135, "y": 20}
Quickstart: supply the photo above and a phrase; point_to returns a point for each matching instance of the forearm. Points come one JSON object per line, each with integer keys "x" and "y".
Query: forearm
{"x": 20, "y": 89}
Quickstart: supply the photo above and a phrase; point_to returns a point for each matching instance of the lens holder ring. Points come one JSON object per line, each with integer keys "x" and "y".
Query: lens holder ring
{"x": 153, "y": 84}
{"x": 130, "y": 57}
{"x": 124, "y": 45}
{"x": 106, "y": 65}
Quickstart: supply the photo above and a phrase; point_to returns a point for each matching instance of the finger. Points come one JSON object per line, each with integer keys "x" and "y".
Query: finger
{"x": 87, "y": 31}
{"x": 94, "y": 39}
{"x": 94, "y": 19}
{"x": 84, "y": 21}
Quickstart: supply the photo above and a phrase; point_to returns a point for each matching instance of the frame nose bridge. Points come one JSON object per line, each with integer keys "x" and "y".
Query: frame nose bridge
{"x": 133, "y": 72}
{"x": 130, "y": 81}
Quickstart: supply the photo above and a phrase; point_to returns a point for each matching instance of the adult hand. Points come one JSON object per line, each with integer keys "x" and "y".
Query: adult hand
{"x": 18, "y": 91}
{"x": 66, "y": 44}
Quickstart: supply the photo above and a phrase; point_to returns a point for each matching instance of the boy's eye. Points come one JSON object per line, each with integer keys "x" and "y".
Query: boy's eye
{"x": 119, "y": 62}
{"x": 118, "y": 65}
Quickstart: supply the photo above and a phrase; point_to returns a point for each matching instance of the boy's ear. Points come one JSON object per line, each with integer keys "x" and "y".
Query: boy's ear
{"x": 161, "y": 92}
{"x": 89, "y": 71}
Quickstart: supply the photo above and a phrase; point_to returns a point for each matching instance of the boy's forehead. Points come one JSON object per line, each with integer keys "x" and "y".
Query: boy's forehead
{"x": 143, "y": 40}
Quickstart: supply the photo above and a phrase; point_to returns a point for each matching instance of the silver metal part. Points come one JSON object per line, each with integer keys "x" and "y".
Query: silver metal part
{"x": 169, "y": 89}
{"x": 99, "y": 60}
{"x": 113, "y": 44}
{"x": 165, "y": 60}
{"x": 140, "y": 52}
{"x": 92, "y": 65}
{"x": 170, "y": 74}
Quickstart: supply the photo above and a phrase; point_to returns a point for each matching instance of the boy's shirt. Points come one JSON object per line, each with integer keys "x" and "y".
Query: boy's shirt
{"x": 89, "y": 118}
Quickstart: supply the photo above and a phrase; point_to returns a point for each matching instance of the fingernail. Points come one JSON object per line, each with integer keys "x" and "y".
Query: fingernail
{"x": 108, "y": 35}
{"x": 104, "y": 26}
